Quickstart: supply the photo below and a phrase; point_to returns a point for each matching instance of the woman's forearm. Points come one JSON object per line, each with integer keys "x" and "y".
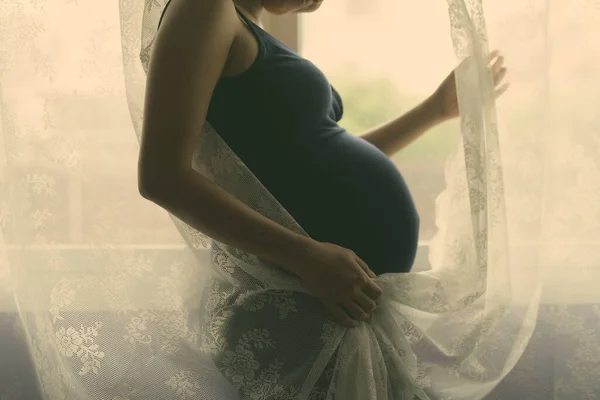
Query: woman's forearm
{"x": 208, "y": 208}
{"x": 395, "y": 135}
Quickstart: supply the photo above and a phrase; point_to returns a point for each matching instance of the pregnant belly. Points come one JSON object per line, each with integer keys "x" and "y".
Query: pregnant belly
{"x": 345, "y": 191}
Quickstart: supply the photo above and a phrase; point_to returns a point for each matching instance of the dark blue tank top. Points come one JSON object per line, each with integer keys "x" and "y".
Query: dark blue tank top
{"x": 281, "y": 118}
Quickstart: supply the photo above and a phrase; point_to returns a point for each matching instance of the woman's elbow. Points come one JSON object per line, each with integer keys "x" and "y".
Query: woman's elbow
{"x": 161, "y": 184}
{"x": 152, "y": 184}
{"x": 146, "y": 187}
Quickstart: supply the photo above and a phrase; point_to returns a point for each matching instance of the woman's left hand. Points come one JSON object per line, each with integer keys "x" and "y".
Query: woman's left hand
{"x": 445, "y": 98}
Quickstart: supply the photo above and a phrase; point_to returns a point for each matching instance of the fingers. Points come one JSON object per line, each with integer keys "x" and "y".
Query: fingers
{"x": 351, "y": 312}
{"x": 366, "y": 303}
{"x": 495, "y": 53}
{"x": 502, "y": 89}
{"x": 499, "y": 72}
{"x": 365, "y": 267}
{"x": 498, "y": 66}
{"x": 498, "y": 76}
{"x": 342, "y": 316}
{"x": 496, "y": 61}
{"x": 355, "y": 311}
{"x": 370, "y": 287}
{"x": 372, "y": 290}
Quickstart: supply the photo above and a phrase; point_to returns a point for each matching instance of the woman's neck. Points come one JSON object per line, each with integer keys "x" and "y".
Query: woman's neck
{"x": 252, "y": 8}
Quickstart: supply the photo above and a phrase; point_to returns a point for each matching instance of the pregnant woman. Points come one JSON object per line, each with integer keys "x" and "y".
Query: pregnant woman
{"x": 213, "y": 62}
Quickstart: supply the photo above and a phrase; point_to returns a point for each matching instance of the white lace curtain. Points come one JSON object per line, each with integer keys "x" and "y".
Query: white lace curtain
{"x": 107, "y": 294}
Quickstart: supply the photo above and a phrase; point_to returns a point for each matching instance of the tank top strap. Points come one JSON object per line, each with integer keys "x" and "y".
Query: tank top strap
{"x": 259, "y": 34}
{"x": 163, "y": 14}
{"x": 251, "y": 25}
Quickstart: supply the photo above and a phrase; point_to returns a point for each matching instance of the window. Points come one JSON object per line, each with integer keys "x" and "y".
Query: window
{"x": 361, "y": 7}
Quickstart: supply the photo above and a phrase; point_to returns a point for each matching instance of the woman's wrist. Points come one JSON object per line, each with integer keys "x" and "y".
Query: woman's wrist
{"x": 301, "y": 256}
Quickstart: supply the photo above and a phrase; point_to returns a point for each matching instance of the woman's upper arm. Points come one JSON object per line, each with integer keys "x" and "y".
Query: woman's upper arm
{"x": 189, "y": 55}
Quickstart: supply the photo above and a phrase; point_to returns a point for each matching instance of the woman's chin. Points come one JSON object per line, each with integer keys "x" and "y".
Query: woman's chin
{"x": 277, "y": 9}
{"x": 282, "y": 7}
{"x": 311, "y": 8}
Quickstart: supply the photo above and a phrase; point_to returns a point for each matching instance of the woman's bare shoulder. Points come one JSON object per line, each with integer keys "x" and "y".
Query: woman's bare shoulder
{"x": 194, "y": 38}
{"x": 193, "y": 22}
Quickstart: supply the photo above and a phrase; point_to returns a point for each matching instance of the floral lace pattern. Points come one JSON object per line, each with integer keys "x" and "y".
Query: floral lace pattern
{"x": 105, "y": 315}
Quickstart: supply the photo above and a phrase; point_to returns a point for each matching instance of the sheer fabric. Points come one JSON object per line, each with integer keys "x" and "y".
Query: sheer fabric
{"x": 110, "y": 313}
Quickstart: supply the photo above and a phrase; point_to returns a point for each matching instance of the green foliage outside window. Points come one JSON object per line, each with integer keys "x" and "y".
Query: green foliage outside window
{"x": 369, "y": 102}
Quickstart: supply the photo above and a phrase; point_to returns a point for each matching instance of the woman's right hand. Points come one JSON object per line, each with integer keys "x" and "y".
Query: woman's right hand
{"x": 342, "y": 282}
